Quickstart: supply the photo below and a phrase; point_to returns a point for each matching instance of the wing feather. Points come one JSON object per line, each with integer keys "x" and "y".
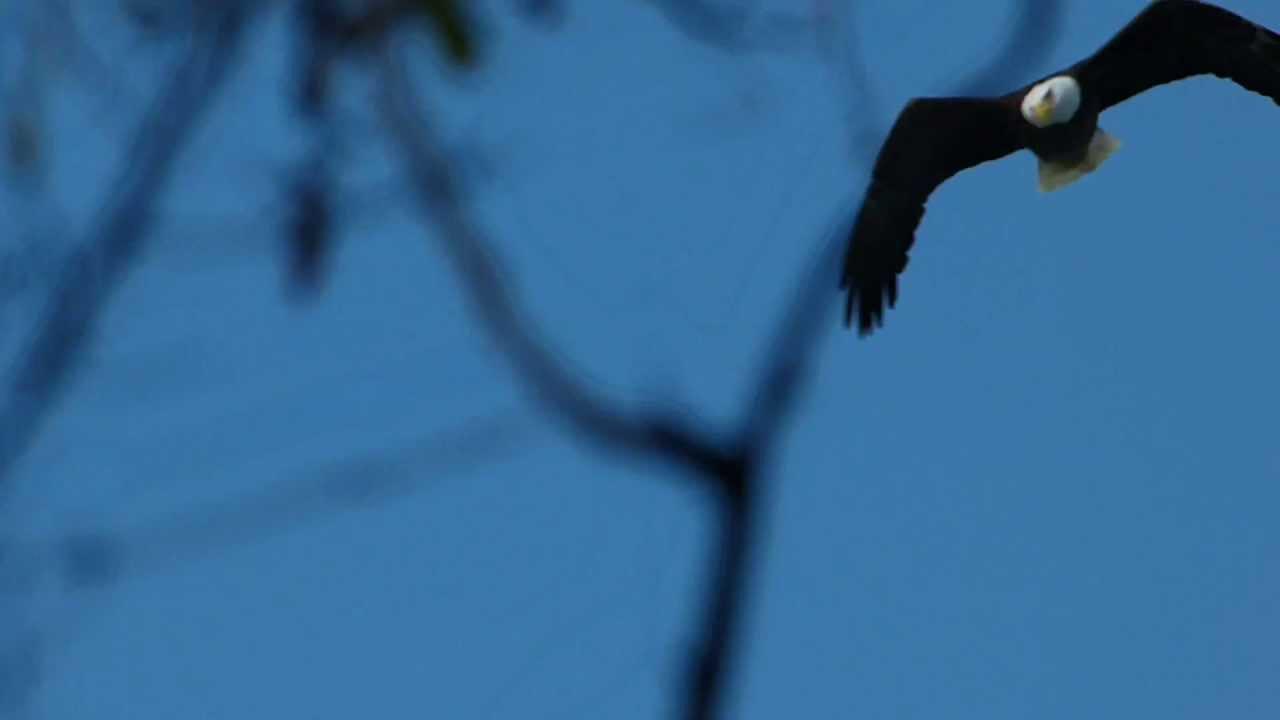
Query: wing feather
{"x": 932, "y": 140}
{"x": 1176, "y": 39}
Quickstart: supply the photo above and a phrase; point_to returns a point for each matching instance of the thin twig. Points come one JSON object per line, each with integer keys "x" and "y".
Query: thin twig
{"x": 852, "y": 79}
{"x": 440, "y": 197}
{"x": 796, "y": 340}
{"x": 94, "y": 271}
{"x": 738, "y": 28}
{"x": 724, "y": 467}
{"x": 97, "y": 559}
{"x": 102, "y": 558}
{"x": 1033, "y": 35}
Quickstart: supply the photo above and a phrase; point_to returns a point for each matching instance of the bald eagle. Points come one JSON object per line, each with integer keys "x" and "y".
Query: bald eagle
{"x": 1056, "y": 118}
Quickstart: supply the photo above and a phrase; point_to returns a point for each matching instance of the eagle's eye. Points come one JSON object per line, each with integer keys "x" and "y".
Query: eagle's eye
{"x": 1048, "y": 95}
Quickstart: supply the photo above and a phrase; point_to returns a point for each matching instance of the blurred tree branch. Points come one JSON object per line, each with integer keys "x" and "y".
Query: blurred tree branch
{"x": 1029, "y": 43}
{"x": 439, "y": 194}
{"x": 95, "y": 270}
{"x": 100, "y": 558}
{"x": 311, "y": 227}
{"x": 737, "y": 26}
{"x": 731, "y": 464}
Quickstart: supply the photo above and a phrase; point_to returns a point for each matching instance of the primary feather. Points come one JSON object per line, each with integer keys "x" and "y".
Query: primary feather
{"x": 932, "y": 139}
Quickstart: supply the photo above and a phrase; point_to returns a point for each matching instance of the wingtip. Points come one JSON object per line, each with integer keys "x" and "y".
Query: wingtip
{"x": 870, "y": 314}
{"x": 848, "y": 301}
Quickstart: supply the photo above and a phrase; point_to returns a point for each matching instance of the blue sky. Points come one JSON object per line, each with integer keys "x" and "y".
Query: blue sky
{"x": 1046, "y": 489}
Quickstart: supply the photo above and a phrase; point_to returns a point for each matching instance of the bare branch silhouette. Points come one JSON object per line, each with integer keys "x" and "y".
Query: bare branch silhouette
{"x": 95, "y": 270}
{"x": 310, "y": 237}
{"x": 100, "y": 558}
{"x": 738, "y": 27}
{"x": 439, "y": 195}
{"x": 1029, "y": 43}
{"x": 795, "y": 342}
{"x": 863, "y": 109}
{"x": 732, "y": 466}
{"x": 720, "y": 466}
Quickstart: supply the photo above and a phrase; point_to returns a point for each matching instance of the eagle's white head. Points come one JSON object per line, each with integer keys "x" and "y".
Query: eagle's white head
{"x": 1052, "y": 102}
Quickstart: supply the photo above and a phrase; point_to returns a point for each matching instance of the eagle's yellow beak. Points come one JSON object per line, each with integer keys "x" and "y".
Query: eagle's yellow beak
{"x": 1043, "y": 111}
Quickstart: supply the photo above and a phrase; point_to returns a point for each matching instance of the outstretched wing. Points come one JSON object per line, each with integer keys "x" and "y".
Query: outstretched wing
{"x": 932, "y": 139}
{"x": 1176, "y": 39}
